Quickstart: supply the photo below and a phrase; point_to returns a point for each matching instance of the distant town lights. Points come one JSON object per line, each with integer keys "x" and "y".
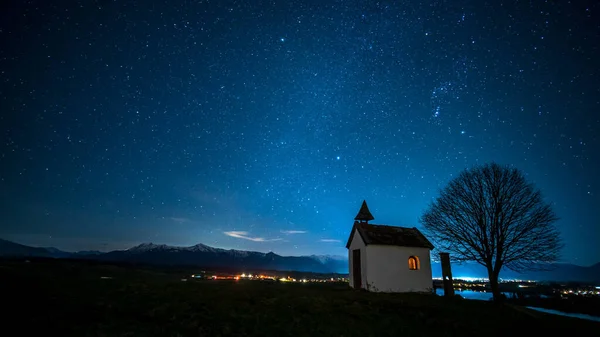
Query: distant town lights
{"x": 257, "y": 277}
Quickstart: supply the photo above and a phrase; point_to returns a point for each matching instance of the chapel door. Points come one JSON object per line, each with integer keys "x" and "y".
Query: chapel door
{"x": 356, "y": 271}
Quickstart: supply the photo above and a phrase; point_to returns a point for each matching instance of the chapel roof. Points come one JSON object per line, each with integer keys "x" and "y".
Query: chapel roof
{"x": 389, "y": 235}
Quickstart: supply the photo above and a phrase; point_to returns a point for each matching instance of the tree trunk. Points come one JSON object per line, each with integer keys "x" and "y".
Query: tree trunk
{"x": 493, "y": 277}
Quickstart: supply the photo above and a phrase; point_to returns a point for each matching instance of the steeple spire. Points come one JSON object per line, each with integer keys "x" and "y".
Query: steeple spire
{"x": 364, "y": 215}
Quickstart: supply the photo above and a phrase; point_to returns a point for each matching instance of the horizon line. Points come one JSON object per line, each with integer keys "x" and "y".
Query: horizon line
{"x": 253, "y": 251}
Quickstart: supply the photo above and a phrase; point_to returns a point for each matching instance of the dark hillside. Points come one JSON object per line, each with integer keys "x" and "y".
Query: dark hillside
{"x": 74, "y": 299}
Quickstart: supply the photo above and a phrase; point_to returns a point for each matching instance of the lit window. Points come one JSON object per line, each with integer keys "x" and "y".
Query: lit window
{"x": 413, "y": 263}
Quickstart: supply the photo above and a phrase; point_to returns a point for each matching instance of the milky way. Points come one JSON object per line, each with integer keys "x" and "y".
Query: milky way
{"x": 263, "y": 125}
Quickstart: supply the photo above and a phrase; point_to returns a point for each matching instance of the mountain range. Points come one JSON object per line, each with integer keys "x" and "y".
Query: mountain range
{"x": 210, "y": 257}
{"x": 198, "y": 255}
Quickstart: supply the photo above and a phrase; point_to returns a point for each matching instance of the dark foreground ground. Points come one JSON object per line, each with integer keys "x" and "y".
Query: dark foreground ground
{"x": 73, "y": 299}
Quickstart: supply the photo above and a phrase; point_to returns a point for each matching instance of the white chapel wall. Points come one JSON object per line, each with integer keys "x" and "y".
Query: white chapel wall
{"x": 388, "y": 269}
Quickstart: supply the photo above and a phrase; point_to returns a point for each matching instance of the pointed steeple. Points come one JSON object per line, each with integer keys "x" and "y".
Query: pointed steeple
{"x": 364, "y": 215}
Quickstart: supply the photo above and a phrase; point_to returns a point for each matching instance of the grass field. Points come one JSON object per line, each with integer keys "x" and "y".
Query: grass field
{"x": 72, "y": 299}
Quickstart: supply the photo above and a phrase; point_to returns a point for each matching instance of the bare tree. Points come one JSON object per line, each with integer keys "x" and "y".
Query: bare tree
{"x": 491, "y": 215}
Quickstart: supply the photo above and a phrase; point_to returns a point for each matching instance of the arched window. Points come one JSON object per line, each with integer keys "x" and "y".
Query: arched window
{"x": 413, "y": 263}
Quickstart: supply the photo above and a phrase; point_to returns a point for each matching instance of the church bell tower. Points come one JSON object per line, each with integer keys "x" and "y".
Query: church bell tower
{"x": 364, "y": 215}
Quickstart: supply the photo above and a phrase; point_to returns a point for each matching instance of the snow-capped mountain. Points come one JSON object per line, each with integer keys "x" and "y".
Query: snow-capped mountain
{"x": 203, "y": 248}
{"x": 198, "y": 248}
{"x": 146, "y": 247}
{"x": 329, "y": 258}
{"x": 207, "y": 256}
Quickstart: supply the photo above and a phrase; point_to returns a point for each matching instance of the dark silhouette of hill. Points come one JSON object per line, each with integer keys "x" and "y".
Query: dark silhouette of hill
{"x": 12, "y": 249}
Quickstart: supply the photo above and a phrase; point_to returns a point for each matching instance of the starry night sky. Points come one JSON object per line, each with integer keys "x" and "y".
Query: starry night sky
{"x": 262, "y": 125}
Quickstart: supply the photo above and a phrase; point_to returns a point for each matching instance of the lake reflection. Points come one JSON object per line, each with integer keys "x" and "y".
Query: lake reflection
{"x": 469, "y": 294}
{"x": 487, "y": 296}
